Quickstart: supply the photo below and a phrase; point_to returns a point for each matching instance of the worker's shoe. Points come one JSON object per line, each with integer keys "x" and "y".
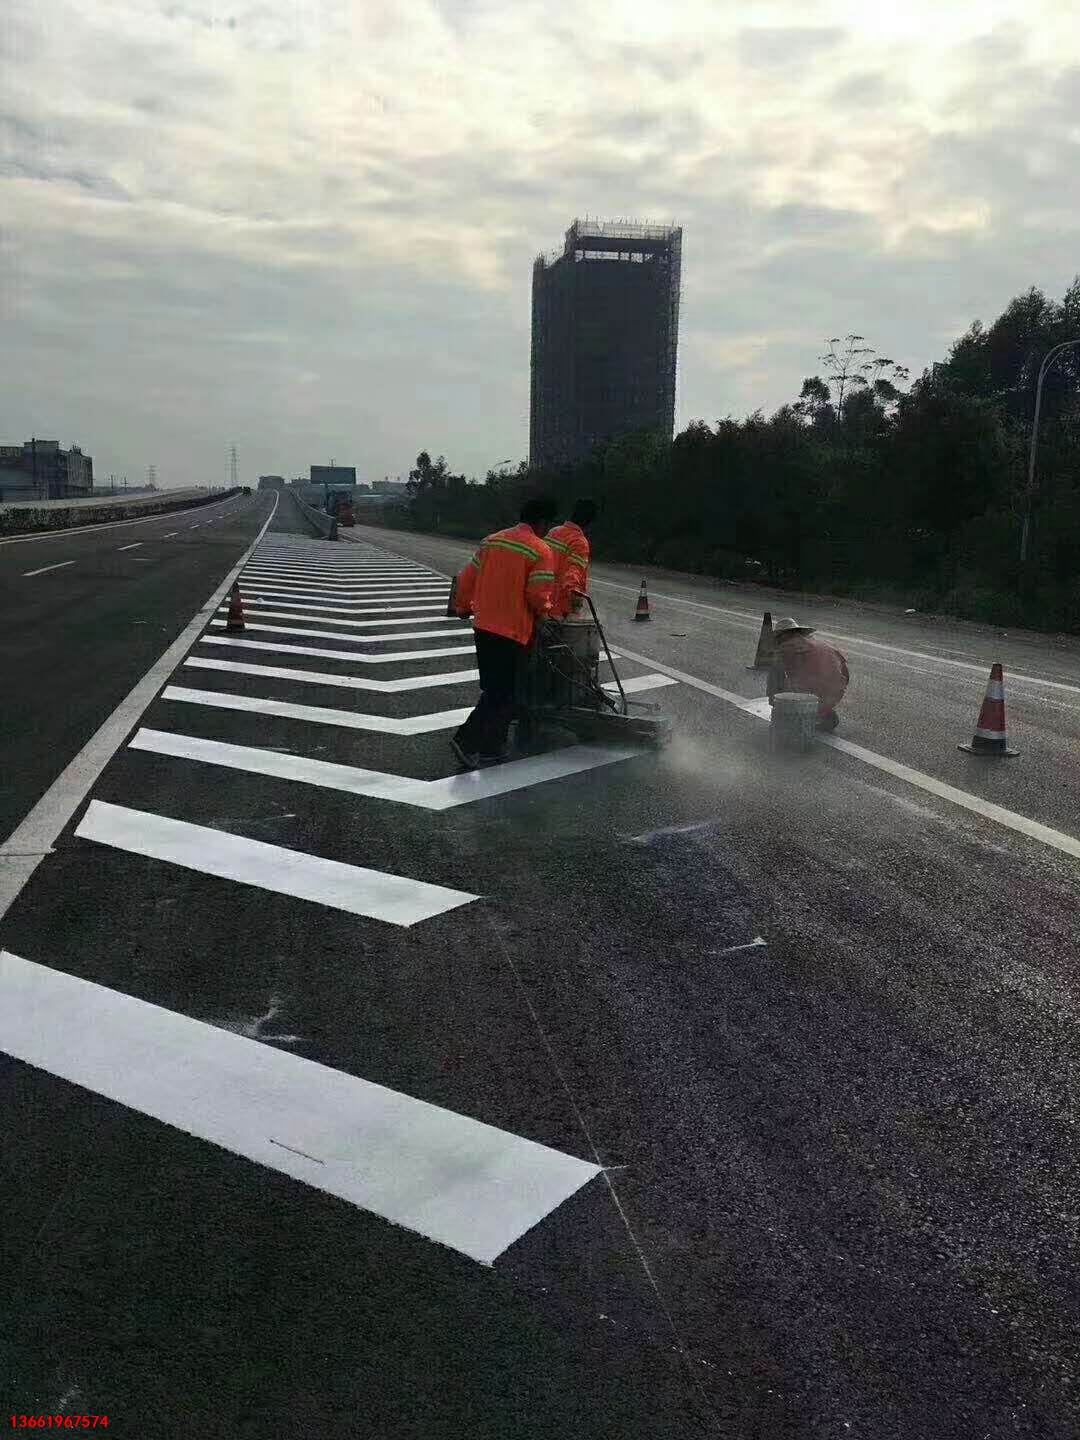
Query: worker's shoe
{"x": 468, "y": 760}
{"x": 829, "y": 721}
{"x": 493, "y": 759}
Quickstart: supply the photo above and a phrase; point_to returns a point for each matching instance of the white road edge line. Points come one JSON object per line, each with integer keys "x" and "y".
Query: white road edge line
{"x": 1033, "y": 829}
{"x": 445, "y": 1176}
{"x": 33, "y": 838}
{"x": 26, "y": 575}
{"x": 104, "y": 525}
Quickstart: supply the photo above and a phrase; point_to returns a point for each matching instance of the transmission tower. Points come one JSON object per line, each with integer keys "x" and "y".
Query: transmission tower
{"x": 151, "y": 476}
{"x": 233, "y": 466}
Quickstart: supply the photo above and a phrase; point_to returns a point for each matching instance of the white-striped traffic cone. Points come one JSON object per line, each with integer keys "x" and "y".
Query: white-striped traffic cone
{"x": 989, "y": 737}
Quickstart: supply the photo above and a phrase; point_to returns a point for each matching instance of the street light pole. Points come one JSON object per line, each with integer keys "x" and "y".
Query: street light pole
{"x": 1048, "y": 359}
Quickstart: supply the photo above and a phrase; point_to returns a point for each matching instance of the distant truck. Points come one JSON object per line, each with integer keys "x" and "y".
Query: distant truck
{"x": 339, "y": 505}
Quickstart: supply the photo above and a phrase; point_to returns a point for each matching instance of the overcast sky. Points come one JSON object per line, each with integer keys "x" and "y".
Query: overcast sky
{"x": 307, "y": 226}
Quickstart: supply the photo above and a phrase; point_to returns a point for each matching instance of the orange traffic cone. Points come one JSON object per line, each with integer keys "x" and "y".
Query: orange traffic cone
{"x": 766, "y": 646}
{"x": 234, "y": 623}
{"x": 642, "y": 611}
{"x": 989, "y": 737}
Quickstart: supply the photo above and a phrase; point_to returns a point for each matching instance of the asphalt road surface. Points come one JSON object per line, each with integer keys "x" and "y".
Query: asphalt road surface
{"x": 605, "y": 1093}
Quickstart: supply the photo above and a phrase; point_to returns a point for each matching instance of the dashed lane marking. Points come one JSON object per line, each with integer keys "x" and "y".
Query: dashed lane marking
{"x": 134, "y": 546}
{"x": 83, "y": 529}
{"x": 352, "y": 888}
{"x": 33, "y": 838}
{"x": 60, "y": 565}
{"x": 426, "y": 794}
{"x": 451, "y": 1179}
{"x": 170, "y": 535}
{"x": 320, "y": 714}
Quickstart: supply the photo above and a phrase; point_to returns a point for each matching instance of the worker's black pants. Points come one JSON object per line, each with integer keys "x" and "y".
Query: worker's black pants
{"x": 486, "y": 729}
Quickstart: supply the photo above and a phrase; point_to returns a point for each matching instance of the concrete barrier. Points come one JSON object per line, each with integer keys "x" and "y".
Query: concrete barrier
{"x": 23, "y": 519}
{"x": 323, "y": 524}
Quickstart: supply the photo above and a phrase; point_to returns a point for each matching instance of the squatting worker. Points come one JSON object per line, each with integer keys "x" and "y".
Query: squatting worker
{"x": 806, "y": 663}
{"x": 571, "y": 550}
{"x": 507, "y": 586}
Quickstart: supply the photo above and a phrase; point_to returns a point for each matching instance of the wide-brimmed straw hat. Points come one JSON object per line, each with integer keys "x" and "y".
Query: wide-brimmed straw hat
{"x": 788, "y": 626}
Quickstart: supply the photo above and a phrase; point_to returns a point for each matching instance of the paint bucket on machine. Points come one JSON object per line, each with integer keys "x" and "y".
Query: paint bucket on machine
{"x": 794, "y": 722}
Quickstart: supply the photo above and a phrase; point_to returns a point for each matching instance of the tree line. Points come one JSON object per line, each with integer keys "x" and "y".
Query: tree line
{"x": 864, "y": 486}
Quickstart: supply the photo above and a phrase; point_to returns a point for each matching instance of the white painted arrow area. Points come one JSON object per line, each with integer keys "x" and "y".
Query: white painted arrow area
{"x": 320, "y": 714}
{"x": 426, "y": 794}
{"x": 449, "y": 1178}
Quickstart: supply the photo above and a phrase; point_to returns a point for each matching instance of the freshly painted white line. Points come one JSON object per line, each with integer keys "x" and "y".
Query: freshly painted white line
{"x": 1056, "y": 839}
{"x": 253, "y": 585}
{"x": 642, "y": 682}
{"x": 137, "y": 544}
{"x": 318, "y": 677}
{"x": 339, "y": 635}
{"x": 406, "y": 683}
{"x": 60, "y": 565}
{"x": 335, "y": 619}
{"x": 254, "y": 595}
{"x": 426, "y": 794}
{"x": 350, "y": 566}
{"x": 340, "y": 580}
{"x": 399, "y": 582}
{"x": 301, "y": 610}
{"x": 322, "y": 653}
{"x": 390, "y": 607}
{"x": 32, "y": 840}
{"x": 105, "y": 525}
{"x": 451, "y": 1179}
{"x": 319, "y": 714}
{"x": 352, "y": 888}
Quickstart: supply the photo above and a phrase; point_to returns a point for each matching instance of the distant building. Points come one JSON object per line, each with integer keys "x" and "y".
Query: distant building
{"x": 605, "y": 331}
{"x": 42, "y": 470}
{"x": 388, "y": 487}
{"x": 271, "y": 482}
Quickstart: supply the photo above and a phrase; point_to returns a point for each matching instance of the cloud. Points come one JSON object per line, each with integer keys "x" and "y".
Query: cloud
{"x": 311, "y": 231}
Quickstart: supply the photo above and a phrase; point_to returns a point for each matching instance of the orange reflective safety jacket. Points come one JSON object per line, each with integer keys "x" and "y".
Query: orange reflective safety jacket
{"x": 570, "y": 548}
{"x": 508, "y": 584}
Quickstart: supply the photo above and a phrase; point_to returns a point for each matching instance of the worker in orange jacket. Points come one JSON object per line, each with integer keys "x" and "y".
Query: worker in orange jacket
{"x": 570, "y": 546}
{"x": 507, "y": 586}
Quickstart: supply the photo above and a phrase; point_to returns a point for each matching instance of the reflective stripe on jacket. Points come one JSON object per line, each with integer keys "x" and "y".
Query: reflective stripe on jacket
{"x": 570, "y": 547}
{"x": 508, "y": 584}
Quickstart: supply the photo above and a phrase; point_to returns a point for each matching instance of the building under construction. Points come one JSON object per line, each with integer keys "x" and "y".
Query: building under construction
{"x": 605, "y": 329}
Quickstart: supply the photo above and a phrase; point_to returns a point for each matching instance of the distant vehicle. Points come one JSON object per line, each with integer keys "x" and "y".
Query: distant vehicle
{"x": 339, "y": 505}
{"x": 246, "y": 489}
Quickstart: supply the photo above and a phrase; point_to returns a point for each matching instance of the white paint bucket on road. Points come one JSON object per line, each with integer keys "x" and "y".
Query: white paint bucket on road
{"x": 794, "y": 721}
